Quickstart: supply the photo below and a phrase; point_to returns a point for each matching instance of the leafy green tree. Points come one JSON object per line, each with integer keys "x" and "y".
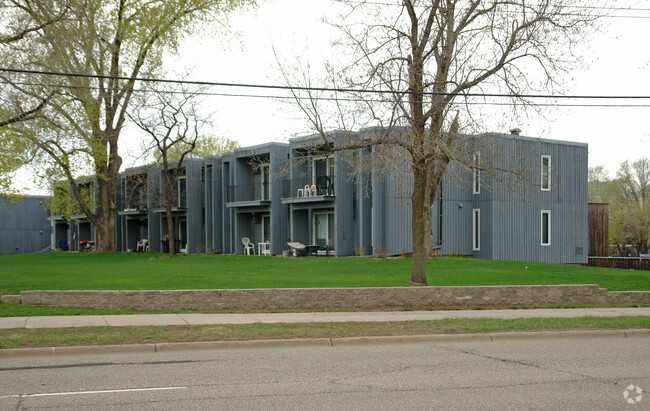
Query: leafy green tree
{"x": 600, "y": 187}
{"x": 101, "y": 48}
{"x": 18, "y": 108}
{"x": 630, "y": 207}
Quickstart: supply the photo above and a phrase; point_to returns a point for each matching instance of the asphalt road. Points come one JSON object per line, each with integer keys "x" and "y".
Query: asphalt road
{"x": 528, "y": 373}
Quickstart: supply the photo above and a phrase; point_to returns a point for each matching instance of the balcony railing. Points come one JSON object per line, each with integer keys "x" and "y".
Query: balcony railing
{"x": 248, "y": 192}
{"x": 307, "y": 187}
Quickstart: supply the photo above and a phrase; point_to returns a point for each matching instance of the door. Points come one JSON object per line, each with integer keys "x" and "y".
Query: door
{"x": 324, "y": 230}
{"x": 266, "y": 228}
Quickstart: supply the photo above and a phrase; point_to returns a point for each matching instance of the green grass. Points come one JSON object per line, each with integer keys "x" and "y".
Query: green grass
{"x": 141, "y": 271}
{"x": 14, "y": 338}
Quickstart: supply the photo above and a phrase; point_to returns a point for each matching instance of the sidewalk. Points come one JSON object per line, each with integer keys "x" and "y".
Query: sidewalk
{"x": 320, "y": 317}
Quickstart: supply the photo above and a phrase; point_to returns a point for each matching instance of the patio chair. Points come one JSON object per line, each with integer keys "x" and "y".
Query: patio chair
{"x": 142, "y": 245}
{"x": 323, "y": 185}
{"x": 297, "y": 248}
{"x": 248, "y": 246}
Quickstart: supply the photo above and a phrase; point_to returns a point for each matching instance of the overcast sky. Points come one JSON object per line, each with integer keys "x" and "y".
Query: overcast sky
{"x": 617, "y": 63}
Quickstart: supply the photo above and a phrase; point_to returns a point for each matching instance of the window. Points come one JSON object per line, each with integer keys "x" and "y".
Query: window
{"x": 322, "y": 166}
{"x": 476, "y": 173}
{"x": 546, "y": 173}
{"x": 266, "y": 182}
{"x": 476, "y": 229}
{"x": 182, "y": 192}
{"x": 546, "y": 227}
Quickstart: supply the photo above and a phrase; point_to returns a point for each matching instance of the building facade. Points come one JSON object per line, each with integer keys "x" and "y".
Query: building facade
{"x": 520, "y": 198}
{"x": 24, "y": 225}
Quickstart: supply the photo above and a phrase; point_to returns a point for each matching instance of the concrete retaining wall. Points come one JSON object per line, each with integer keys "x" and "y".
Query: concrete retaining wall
{"x": 337, "y": 298}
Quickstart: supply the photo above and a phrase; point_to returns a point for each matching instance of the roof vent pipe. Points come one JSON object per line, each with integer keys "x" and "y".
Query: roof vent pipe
{"x": 515, "y": 131}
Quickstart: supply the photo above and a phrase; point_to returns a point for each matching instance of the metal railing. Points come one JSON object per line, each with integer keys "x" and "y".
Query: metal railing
{"x": 307, "y": 187}
{"x": 248, "y": 192}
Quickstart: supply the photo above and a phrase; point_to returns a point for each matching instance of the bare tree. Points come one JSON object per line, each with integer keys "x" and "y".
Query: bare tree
{"x": 418, "y": 70}
{"x": 172, "y": 123}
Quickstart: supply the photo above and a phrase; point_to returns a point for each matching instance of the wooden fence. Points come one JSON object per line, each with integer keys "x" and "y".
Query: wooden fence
{"x": 598, "y": 226}
{"x": 629, "y": 263}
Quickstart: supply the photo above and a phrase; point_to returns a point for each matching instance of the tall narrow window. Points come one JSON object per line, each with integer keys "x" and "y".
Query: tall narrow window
{"x": 476, "y": 229}
{"x": 546, "y": 227}
{"x": 266, "y": 182}
{"x": 476, "y": 173}
{"x": 182, "y": 192}
{"x": 546, "y": 173}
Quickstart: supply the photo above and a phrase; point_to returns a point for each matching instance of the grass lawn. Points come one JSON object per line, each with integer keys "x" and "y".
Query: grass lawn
{"x": 142, "y": 271}
{"x": 14, "y": 338}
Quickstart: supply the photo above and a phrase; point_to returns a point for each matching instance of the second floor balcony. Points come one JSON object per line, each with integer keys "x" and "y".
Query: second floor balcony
{"x": 249, "y": 193}
{"x": 309, "y": 189}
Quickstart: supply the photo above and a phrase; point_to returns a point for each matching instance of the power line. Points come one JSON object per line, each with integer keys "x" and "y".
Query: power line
{"x": 574, "y": 7}
{"x": 317, "y": 89}
{"x": 343, "y": 99}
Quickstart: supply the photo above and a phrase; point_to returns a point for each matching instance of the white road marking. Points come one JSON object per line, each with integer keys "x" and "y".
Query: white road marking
{"x": 50, "y": 394}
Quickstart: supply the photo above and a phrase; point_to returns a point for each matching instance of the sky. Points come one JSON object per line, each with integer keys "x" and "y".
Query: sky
{"x": 617, "y": 62}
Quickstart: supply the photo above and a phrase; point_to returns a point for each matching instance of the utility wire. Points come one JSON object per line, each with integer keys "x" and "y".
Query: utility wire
{"x": 346, "y": 99}
{"x": 582, "y": 7}
{"x": 318, "y": 89}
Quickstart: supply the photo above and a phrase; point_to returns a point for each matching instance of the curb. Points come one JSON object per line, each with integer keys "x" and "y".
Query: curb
{"x": 324, "y": 342}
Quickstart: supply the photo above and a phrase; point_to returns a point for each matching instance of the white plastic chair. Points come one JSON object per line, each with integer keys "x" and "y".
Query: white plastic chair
{"x": 142, "y": 245}
{"x": 248, "y": 246}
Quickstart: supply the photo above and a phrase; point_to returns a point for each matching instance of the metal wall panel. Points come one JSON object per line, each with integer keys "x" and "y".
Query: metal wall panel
{"x": 24, "y": 226}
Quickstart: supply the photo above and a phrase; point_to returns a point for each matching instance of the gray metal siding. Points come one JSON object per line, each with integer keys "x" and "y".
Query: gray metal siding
{"x": 24, "y": 226}
{"x": 516, "y": 210}
{"x": 279, "y": 211}
{"x": 195, "y": 233}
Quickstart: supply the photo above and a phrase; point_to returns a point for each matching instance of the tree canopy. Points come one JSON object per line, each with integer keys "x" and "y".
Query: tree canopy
{"x": 630, "y": 206}
{"x": 91, "y": 61}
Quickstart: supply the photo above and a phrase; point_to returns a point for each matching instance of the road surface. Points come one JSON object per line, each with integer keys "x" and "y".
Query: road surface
{"x": 528, "y": 373}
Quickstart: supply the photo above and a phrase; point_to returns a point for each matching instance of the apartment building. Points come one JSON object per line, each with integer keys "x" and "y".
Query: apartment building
{"x": 515, "y": 198}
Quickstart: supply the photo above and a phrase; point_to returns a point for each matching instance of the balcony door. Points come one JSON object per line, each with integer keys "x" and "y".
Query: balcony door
{"x": 323, "y": 175}
{"x": 324, "y": 229}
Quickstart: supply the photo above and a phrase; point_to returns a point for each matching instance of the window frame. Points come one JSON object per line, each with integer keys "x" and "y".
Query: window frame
{"x": 476, "y": 229}
{"x": 329, "y": 167}
{"x": 548, "y": 228}
{"x": 265, "y": 186}
{"x": 476, "y": 173}
{"x": 545, "y": 173}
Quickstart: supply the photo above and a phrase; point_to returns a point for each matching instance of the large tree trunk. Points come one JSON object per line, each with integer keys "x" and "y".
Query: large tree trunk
{"x": 105, "y": 216}
{"x": 418, "y": 267}
{"x": 106, "y": 187}
{"x": 106, "y": 235}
